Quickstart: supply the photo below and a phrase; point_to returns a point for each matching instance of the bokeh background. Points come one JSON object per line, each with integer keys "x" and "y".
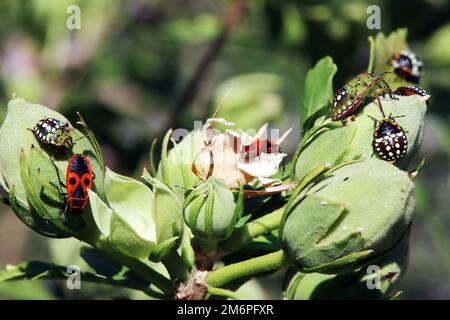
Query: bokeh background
{"x": 139, "y": 67}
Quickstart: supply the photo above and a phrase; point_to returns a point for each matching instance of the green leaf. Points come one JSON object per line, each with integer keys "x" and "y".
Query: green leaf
{"x": 383, "y": 50}
{"x": 92, "y": 140}
{"x": 318, "y": 90}
{"x": 52, "y": 217}
{"x": 132, "y": 226}
{"x": 187, "y": 251}
{"x": 32, "y": 219}
{"x": 160, "y": 251}
{"x": 347, "y": 262}
{"x": 242, "y": 221}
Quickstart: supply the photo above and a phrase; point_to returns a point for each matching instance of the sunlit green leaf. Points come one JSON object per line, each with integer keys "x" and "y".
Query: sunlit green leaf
{"x": 318, "y": 89}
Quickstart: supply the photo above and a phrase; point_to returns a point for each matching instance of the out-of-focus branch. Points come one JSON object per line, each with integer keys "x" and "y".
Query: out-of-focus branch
{"x": 232, "y": 16}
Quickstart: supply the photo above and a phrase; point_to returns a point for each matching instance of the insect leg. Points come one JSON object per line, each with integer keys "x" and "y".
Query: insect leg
{"x": 57, "y": 173}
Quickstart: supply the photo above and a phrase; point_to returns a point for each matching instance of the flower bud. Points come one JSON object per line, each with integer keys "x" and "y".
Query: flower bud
{"x": 360, "y": 209}
{"x": 375, "y": 280}
{"x": 136, "y": 220}
{"x": 175, "y": 166}
{"x": 28, "y": 170}
{"x": 167, "y": 207}
{"x": 211, "y": 210}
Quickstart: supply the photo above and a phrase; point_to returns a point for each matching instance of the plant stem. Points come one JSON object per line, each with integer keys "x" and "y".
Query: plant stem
{"x": 223, "y": 293}
{"x": 34, "y": 270}
{"x": 137, "y": 266}
{"x": 253, "y": 229}
{"x": 268, "y": 262}
{"x": 175, "y": 266}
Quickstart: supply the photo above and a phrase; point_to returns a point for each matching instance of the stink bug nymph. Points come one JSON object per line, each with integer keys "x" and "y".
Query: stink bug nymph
{"x": 349, "y": 98}
{"x": 407, "y": 66}
{"x": 389, "y": 139}
{"x": 79, "y": 177}
{"x": 53, "y": 132}
{"x": 410, "y": 91}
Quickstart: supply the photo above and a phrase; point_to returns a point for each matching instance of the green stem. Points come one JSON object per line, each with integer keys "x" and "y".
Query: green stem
{"x": 34, "y": 270}
{"x": 268, "y": 262}
{"x": 175, "y": 266}
{"x": 135, "y": 265}
{"x": 223, "y": 293}
{"x": 251, "y": 230}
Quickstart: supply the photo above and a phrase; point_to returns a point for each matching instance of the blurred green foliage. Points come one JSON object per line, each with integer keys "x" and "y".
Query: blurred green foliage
{"x": 125, "y": 69}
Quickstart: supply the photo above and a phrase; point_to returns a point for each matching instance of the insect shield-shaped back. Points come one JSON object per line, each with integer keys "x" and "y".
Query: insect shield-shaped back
{"x": 407, "y": 66}
{"x": 211, "y": 210}
{"x": 53, "y": 132}
{"x": 389, "y": 140}
{"x": 79, "y": 178}
{"x": 352, "y": 96}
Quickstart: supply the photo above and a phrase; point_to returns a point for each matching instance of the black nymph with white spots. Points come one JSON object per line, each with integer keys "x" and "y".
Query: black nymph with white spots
{"x": 389, "y": 140}
{"x": 410, "y": 91}
{"x": 408, "y": 66}
{"x": 53, "y": 132}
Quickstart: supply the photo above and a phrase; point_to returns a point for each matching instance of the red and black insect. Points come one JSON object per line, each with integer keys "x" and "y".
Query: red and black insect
{"x": 407, "y": 66}
{"x": 79, "y": 178}
{"x": 410, "y": 91}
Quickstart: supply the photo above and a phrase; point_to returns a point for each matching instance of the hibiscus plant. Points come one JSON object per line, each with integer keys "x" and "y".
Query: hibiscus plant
{"x": 225, "y": 205}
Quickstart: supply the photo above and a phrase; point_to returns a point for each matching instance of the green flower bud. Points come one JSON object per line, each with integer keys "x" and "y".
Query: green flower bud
{"x": 175, "y": 166}
{"x": 137, "y": 221}
{"x": 354, "y": 139}
{"x": 168, "y": 215}
{"x": 211, "y": 210}
{"x": 360, "y": 209}
{"x": 374, "y": 280}
{"x": 29, "y": 174}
